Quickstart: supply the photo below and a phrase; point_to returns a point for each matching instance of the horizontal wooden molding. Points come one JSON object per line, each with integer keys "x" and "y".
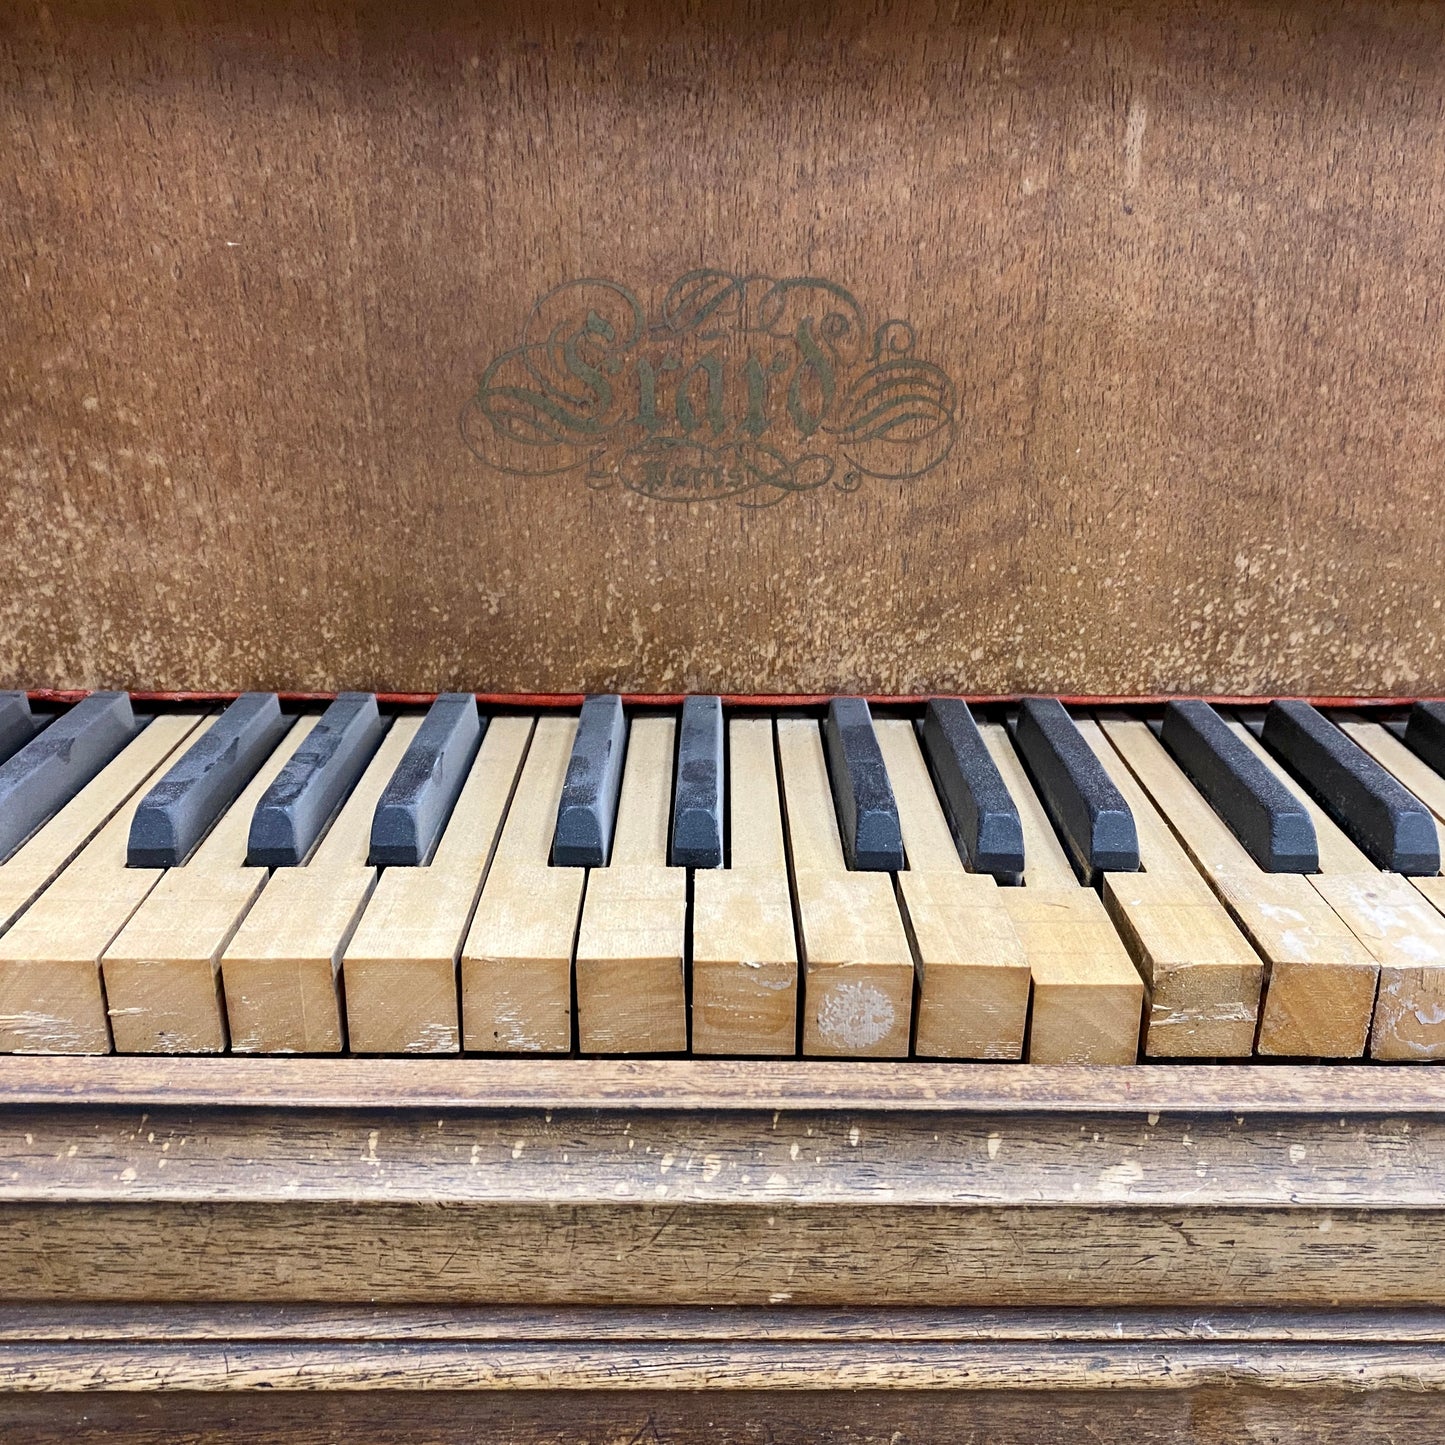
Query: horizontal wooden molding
{"x": 697, "y": 1084}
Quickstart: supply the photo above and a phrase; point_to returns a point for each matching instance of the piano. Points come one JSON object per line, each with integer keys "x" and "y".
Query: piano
{"x": 721, "y": 723}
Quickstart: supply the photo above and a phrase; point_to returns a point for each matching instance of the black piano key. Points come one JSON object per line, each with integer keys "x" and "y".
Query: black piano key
{"x": 1384, "y": 819}
{"x": 983, "y": 817}
{"x": 17, "y": 723}
{"x": 863, "y": 796}
{"x": 1260, "y": 811}
{"x": 416, "y": 803}
{"x": 1425, "y": 733}
{"x": 316, "y": 778}
{"x": 178, "y": 812}
{"x": 587, "y": 812}
{"x": 1088, "y": 812}
{"x": 697, "y": 809}
{"x": 52, "y": 768}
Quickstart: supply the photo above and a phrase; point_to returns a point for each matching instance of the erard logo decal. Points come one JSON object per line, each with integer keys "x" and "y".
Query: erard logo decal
{"x": 735, "y": 386}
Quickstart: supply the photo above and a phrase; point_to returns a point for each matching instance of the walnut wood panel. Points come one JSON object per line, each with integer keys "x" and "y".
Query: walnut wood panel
{"x": 1095, "y": 1366}
{"x": 1227, "y": 1413}
{"x": 656, "y": 1199}
{"x": 739, "y": 1086}
{"x": 738, "y": 1375}
{"x": 1176, "y": 266}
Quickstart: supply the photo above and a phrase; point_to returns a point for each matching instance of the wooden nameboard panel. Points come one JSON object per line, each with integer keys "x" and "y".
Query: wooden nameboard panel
{"x": 880, "y": 347}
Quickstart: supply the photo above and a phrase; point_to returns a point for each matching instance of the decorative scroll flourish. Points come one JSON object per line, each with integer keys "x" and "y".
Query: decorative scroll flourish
{"x": 735, "y": 386}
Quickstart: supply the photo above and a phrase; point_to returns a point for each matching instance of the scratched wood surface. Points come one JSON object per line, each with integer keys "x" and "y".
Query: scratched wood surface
{"x": 655, "y": 1199}
{"x": 96, "y": 1372}
{"x": 1171, "y": 272}
{"x": 1227, "y": 1413}
{"x": 614, "y": 1253}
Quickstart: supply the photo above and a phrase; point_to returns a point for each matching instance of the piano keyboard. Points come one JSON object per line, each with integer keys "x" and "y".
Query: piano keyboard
{"x": 1027, "y": 882}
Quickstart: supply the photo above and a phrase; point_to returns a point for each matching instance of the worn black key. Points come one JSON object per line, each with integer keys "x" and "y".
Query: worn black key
{"x": 1260, "y": 811}
{"x": 1089, "y": 813}
{"x": 587, "y": 812}
{"x": 982, "y": 816}
{"x": 317, "y": 777}
{"x": 178, "y": 812}
{"x": 416, "y": 803}
{"x": 697, "y": 809}
{"x": 52, "y": 768}
{"x": 1425, "y": 733}
{"x": 17, "y": 723}
{"x": 1385, "y": 820}
{"x": 863, "y": 796}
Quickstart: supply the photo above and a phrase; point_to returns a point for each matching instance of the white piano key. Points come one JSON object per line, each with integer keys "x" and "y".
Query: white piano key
{"x": 631, "y": 989}
{"x": 51, "y": 998}
{"x": 858, "y": 971}
{"x": 400, "y": 967}
{"x": 280, "y": 972}
{"x": 163, "y": 971}
{"x": 516, "y": 964}
{"x": 744, "y": 953}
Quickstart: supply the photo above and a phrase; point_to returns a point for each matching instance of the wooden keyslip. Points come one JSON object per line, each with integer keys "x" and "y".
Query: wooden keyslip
{"x": 651, "y": 1250}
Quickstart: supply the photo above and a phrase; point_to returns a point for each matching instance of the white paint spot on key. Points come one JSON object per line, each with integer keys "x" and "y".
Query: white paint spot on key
{"x": 856, "y": 1015}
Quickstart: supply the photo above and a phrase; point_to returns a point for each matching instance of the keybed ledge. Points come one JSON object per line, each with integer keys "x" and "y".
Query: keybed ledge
{"x": 423, "y": 1085}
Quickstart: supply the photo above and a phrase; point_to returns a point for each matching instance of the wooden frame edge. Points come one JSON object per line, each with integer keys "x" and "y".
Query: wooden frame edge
{"x": 698, "y": 1084}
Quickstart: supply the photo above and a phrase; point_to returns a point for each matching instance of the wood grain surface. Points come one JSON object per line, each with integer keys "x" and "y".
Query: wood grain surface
{"x": 363, "y": 1373}
{"x": 657, "y": 1253}
{"x": 702, "y": 1085}
{"x": 1226, "y": 1413}
{"x": 1177, "y": 264}
{"x": 660, "y": 1197}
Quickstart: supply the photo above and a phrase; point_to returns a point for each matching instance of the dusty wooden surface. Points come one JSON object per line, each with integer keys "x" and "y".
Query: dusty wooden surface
{"x": 672, "y": 1252}
{"x": 1222, "y": 1415}
{"x": 764, "y": 1376}
{"x": 665, "y": 1192}
{"x": 1176, "y": 266}
{"x": 694, "y": 1085}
